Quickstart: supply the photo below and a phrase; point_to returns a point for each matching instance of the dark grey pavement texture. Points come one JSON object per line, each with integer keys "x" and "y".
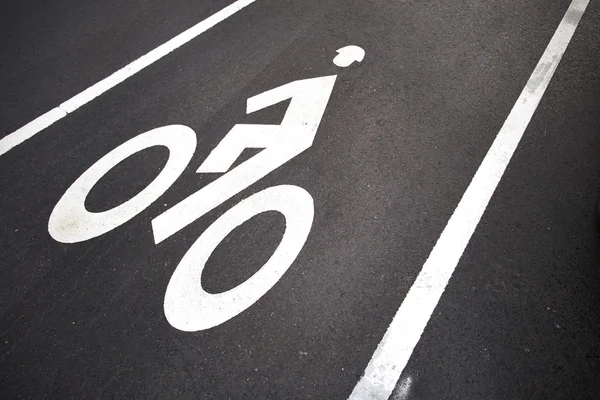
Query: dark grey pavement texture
{"x": 401, "y": 138}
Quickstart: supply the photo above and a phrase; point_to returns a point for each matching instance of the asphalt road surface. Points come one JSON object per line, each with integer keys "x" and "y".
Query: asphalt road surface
{"x": 308, "y": 249}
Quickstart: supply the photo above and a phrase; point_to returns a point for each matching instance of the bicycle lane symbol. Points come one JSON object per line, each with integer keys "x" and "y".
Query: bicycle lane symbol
{"x": 187, "y": 306}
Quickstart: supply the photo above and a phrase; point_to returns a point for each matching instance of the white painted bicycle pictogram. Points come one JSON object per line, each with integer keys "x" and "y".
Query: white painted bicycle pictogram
{"x": 187, "y": 306}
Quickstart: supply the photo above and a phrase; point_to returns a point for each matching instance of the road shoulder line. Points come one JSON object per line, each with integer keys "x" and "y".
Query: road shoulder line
{"x": 42, "y": 122}
{"x": 403, "y": 334}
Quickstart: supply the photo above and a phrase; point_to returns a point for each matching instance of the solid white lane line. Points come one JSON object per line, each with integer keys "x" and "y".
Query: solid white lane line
{"x": 27, "y": 131}
{"x": 20, "y": 135}
{"x": 396, "y": 347}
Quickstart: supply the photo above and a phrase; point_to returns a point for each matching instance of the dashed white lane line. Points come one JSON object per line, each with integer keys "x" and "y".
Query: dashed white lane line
{"x": 394, "y": 350}
{"x": 37, "y": 125}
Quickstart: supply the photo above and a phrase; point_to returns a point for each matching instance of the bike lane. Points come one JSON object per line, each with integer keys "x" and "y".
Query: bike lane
{"x": 401, "y": 137}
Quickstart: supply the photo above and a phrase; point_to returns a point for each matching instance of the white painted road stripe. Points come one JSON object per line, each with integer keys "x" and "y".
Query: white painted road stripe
{"x": 403, "y": 334}
{"x": 27, "y": 131}
{"x": 75, "y": 102}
